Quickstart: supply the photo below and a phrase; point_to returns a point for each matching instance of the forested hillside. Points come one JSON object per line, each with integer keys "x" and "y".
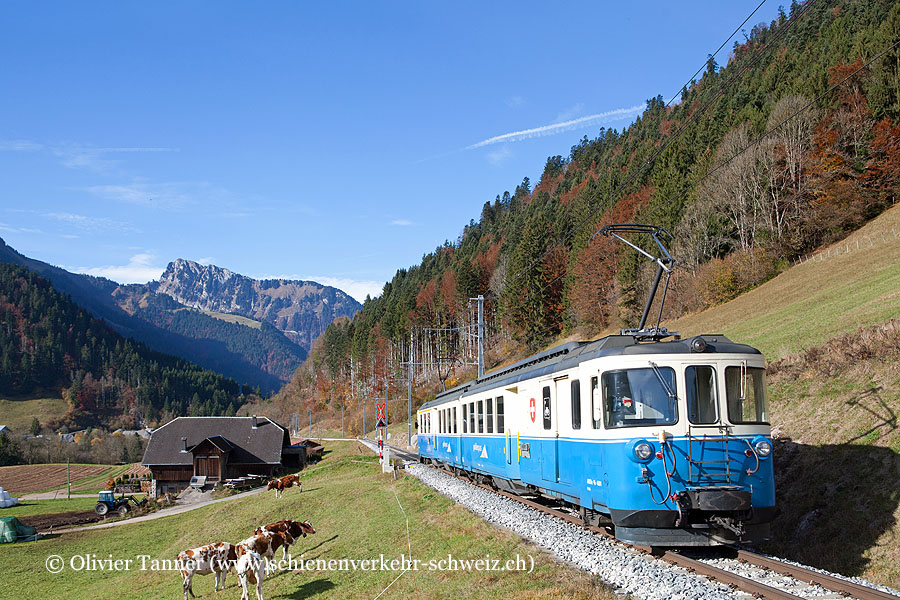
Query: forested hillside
{"x": 261, "y": 357}
{"x": 789, "y": 146}
{"x": 49, "y": 343}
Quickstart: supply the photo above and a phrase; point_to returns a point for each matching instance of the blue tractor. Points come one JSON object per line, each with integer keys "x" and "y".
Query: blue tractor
{"x": 107, "y": 502}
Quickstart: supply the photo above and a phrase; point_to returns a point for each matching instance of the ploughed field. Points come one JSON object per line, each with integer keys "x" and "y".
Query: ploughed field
{"x": 22, "y": 479}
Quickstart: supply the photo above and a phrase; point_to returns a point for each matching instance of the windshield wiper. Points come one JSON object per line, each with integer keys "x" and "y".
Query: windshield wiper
{"x": 662, "y": 380}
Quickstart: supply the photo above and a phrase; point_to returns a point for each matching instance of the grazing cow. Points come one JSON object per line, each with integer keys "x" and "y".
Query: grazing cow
{"x": 279, "y": 485}
{"x": 292, "y": 531}
{"x": 216, "y": 558}
{"x": 264, "y": 543}
{"x": 250, "y": 570}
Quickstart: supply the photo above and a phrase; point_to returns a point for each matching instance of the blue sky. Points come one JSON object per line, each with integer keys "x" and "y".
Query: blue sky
{"x": 328, "y": 141}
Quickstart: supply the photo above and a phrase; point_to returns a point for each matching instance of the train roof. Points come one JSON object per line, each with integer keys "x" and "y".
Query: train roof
{"x": 571, "y": 354}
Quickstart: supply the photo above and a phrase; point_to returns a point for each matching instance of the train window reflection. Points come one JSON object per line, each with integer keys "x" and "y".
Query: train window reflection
{"x": 639, "y": 397}
{"x": 499, "y": 414}
{"x": 745, "y": 392}
{"x": 490, "y": 415}
{"x": 701, "y": 394}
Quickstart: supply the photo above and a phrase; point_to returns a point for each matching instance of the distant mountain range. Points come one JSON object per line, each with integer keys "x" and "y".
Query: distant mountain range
{"x": 300, "y": 309}
{"x": 256, "y": 332}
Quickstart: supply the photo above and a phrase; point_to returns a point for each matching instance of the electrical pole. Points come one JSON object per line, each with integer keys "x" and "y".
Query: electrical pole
{"x": 480, "y": 300}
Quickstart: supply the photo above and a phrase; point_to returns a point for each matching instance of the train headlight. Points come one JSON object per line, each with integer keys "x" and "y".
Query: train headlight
{"x": 763, "y": 447}
{"x": 643, "y": 450}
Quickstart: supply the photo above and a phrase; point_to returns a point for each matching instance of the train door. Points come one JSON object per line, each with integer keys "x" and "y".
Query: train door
{"x": 565, "y": 461}
{"x": 549, "y": 433}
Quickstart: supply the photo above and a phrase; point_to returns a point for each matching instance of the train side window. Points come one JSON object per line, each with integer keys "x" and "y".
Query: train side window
{"x": 548, "y": 413}
{"x": 576, "y": 404}
{"x": 745, "y": 394}
{"x": 473, "y": 420}
{"x": 640, "y": 397}
{"x": 465, "y": 416}
{"x": 596, "y": 404}
{"x": 481, "y": 416}
{"x": 500, "y": 423}
{"x": 454, "y": 420}
{"x": 490, "y": 415}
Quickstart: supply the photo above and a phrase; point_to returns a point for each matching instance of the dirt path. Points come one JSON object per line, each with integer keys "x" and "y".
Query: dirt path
{"x": 166, "y": 512}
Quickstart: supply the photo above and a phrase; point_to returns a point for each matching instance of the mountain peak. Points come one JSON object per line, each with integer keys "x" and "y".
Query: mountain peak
{"x": 300, "y": 309}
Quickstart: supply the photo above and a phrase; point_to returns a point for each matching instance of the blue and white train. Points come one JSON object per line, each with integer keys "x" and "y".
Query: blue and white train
{"x": 667, "y": 442}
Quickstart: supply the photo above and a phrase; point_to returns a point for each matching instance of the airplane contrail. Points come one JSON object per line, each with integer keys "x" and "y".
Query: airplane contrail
{"x": 515, "y": 136}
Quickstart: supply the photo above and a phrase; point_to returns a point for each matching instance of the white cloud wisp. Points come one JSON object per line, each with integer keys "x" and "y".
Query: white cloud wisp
{"x": 554, "y": 128}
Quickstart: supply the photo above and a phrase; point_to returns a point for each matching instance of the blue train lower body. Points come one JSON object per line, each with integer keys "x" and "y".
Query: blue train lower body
{"x": 698, "y": 491}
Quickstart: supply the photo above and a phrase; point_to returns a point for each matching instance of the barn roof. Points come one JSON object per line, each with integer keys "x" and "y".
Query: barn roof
{"x": 249, "y": 445}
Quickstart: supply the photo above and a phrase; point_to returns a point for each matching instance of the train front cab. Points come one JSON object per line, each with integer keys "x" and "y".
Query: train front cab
{"x": 687, "y": 454}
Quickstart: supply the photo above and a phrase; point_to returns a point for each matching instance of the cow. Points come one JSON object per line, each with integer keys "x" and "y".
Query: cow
{"x": 294, "y": 530}
{"x": 279, "y": 485}
{"x": 251, "y": 569}
{"x": 264, "y": 543}
{"x": 216, "y": 558}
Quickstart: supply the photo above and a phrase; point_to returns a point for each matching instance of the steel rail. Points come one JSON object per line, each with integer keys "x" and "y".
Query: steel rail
{"x": 828, "y": 582}
{"x": 755, "y": 588}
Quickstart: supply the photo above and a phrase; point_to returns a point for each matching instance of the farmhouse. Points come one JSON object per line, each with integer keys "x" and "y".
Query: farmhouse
{"x": 214, "y": 449}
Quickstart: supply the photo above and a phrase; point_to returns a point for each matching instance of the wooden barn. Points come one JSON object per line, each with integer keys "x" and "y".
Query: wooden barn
{"x": 215, "y": 449}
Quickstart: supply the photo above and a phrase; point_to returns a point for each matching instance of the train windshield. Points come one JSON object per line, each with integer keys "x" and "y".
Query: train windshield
{"x": 639, "y": 397}
{"x": 745, "y": 391}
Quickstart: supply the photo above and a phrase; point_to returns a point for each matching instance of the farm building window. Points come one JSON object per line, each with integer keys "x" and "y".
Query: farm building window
{"x": 576, "y": 404}
{"x": 745, "y": 391}
{"x": 490, "y": 415}
{"x": 640, "y": 397}
{"x": 548, "y": 413}
{"x": 500, "y": 424}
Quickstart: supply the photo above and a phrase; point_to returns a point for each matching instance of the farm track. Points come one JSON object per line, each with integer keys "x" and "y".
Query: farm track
{"x": 800, "y": 577}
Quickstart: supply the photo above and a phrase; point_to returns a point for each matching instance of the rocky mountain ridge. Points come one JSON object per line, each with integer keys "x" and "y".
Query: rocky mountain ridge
{"x": 299, "y": 309}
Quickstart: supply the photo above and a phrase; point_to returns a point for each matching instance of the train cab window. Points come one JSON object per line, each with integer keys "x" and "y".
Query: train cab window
{"x": 490, "y": 415}
{"x": 453, "y": 420}
{"x": 639, "y": 397}
{"x": 465, "y": 415}
{"x": 745, "y": 393}
{"x": 701, "y": 395}
{"x": 500, "y": 423}
{"x": 576, "y": 404}
{"x": 596, "y": 404}
{"x": 548, "y": 413}
{"x": 481, "y": 416}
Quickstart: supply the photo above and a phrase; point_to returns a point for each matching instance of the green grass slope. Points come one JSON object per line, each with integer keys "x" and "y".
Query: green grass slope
{"x": 843, "y": 288}
{"x": 357, "y": 513}
{"x": 17, "y": 413}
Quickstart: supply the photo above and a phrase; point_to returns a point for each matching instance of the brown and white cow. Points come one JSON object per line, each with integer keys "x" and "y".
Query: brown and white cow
{"x": 251, "y": 570}
{"x": 216, "y": 558}
{"x": 292, "y": 531}
{"x": 279, "y": 485}
{"x": 264, "y": 543}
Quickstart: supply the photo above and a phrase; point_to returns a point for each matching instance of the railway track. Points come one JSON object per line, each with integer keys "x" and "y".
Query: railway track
{"x": 774, "y": 579}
